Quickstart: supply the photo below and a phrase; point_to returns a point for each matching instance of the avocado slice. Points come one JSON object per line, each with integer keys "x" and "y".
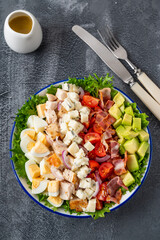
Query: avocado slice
{"x": 122, "y": 108}
{"x": 118, "y": 99}
{"x": 115, "y": 111}
{"x": 132, "y": 163}
{"x": 120, "y": 131}
{"x": 130, "y": 135}
{"x": 128, "y": 128}
{"x": 121, "y": 140}
{"x": 129, "y": 110}
{"x": 122, "y": 150}
{"x": 143, "y": 136}
{"x": 127, "y": 179}
{"x": 142, "y": 148}
{"x": 127, "y": 119}
{"x": 131, "y": 145}
{"x": 117, "y": 123}
{"x": 136, "y": 124}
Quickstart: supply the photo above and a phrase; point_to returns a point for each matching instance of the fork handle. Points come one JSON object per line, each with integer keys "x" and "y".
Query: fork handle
{"x": 151, "y": 104}
{"x": 150, "y": 86}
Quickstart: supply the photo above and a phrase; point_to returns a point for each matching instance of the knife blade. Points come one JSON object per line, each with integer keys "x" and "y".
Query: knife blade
{"x": 117, "y": 67}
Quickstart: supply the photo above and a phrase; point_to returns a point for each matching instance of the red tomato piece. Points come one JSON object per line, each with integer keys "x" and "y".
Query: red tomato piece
{"x": 91, "y": 154}
{"x": 92, "y": 137}
{"x": 98, "y": 109}
{"x": 92, "y": 121}
{"x": 105, "y": 170}
{"x": 87, "y": 93}
{"x": 90, "y": 101}
{"x": 97, "y": 128}
{"x": 86, "y": 124}
{"x": 100, "y": 150}
{"x": 99, "y": 204}
{"x": 82, "y": 135}
{"x": 102, "y": 194}
{"x": 93, "y": 165}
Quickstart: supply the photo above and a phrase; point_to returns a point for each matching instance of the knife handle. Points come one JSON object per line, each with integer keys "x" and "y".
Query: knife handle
{"x": 150, "y": 86}
{"x": 151, "y": 104}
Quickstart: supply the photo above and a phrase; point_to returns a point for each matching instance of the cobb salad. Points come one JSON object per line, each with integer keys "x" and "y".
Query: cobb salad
{"x": 81, "y": 146}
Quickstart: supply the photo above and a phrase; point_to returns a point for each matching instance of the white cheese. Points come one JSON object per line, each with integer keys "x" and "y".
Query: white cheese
{"x": 78, "y": 105}
{"x": 73, "y": 148}
{"x": 77, "y": 139}
{"x": 80, "y": 194}
{"x": 91, "y": 207}
{"x": 73, "y": 96}
{"x": 85, "y": 183}
{"x": 76, "y": 126}
{"x": 68, "y": 104}
{"x": 89, "y": 146}
{"x": 84, "y": 117}
{"x": 73, "y": 88}
{"x": 69, "y": 137}
{"x": 89, "y": 192}
{"x": 83, "y": 172}
{"x": 66, "y": 118}
{"x": 80, "y": 153}
{"x": 85, "y": 110}
{"x": 74, "y": 114}
{"x": 65, "y": 86}
{"x": 63, "y": 127}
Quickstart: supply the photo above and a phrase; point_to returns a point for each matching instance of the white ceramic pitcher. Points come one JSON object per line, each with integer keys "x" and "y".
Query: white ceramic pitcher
{"x": 20, "y": 42}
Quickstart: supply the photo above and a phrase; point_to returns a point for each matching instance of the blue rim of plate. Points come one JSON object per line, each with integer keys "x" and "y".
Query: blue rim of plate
{"x": 75, "y": 216}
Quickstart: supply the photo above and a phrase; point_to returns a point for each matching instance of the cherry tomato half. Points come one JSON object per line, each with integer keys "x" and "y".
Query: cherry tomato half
{"x": 86, "y": 124}
{"x": 97, "y": 128}
{"x": 100, "y": 149}
{"x": 90, "y": 130}
{"x": 99, "y": 204}
{"x": 90, "y": 101}
{"x": 93, "y": 165}
{"x": 92, "y": 137}
{"x": 91, "y": 154}
{"x": 81, "y": 135}
{"x": 102, "y": 194}
{"x": 105, "y": 170}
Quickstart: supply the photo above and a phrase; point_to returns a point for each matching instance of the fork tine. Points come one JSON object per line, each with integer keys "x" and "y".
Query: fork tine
{"x": 112, "y": 36}
{"x": 105, "y": 42}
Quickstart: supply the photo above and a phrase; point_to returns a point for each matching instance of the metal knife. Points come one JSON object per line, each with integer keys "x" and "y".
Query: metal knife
{"x": 117, "y": 67}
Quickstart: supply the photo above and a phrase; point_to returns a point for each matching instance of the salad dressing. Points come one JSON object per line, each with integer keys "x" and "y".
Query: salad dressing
{"x": 21, "y": 24}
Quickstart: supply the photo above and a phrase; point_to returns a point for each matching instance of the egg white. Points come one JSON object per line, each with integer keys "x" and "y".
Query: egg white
{"x": 28, "y": 131}
{"x": 41, "y": 188}
{"x": 37, "y": 150}
{"x": 24, "y": 144}
{"x": 27, "y": 164}
{"x": 31, "y": 157}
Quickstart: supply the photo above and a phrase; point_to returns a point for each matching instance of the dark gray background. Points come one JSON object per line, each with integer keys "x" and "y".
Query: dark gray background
{"x": 137, "y": 25}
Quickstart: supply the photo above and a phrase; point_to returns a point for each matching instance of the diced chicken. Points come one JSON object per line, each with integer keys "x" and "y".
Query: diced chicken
{"x": 54, "y": 160}
{"x": 78, "y": 204}
{"x": 91, "y": 205}
{"x": 41, "y": 110}
{"x": 61, "y": 94}
{"x": 70, "y": 176}
{"x": 51, "y": 97}
{"x": 58, "y": 148}
{"x": 53, "y": 130}
{"x": 51, "y": 105}
{"x": 51, "y": 116}
{"x": 66, "y": 190}
{"x": 53, "y": 188}
{"x": 61, "y": 112}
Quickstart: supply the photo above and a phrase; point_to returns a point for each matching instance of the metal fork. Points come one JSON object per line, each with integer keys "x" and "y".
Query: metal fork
{"x": 119, "y": 52}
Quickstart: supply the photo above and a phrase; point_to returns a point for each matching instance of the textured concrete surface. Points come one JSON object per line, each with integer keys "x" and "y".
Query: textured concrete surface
{"x": 136, "y": 25}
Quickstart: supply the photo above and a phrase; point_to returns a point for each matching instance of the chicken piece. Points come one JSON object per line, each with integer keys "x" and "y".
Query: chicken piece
{"x": 78, "y": 204}
{"x": 70, "y": 176}
{"x": 53, "y": 188}
{"x": 61, "y": 112}
{"x": 55, "y": 161}
{"x": 51, "y": 105}
{"x": 61, "y": 94}
{"x": 66, "y": 190}
{"x": 51, "y": 116}
{"x": 53, "y": 130}
{"x": 51, "y": 97}
{"x": 58, "y": 148}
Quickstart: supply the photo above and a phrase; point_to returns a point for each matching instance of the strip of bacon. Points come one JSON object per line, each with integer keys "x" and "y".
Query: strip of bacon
{"x": 108, "y": 104}
{"x": 116, "y": 198}
{"x": 114, "y": 184}
{"x": 119, "y": 166}
{"x": 104, "y": 94}
{"x": 114, "y": 148}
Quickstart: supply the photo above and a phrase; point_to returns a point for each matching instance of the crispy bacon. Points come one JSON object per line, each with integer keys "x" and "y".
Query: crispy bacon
{"x": 114, "y": 148}
{"x": 116, "y": 198}
{"x": 104, "y": 94}
{"x": 108, "y": 104}
{"x": 119, "y": 166}
{"x": 114, "y": 184}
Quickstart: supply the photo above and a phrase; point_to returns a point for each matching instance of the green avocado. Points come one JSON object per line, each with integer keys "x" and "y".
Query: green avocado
{"x": 142, "y": 148}
{"x": 117, "y": 123}
{"x": 127, "y": 119}
{"x": 136, "y": 124}
{"x": 121, "y": 140}
{"x": 118, "y": 99}
{"x": 122, "y": 108}
{"x": 128, "y": 128}
{"x": 130, "y": 135}
{"x": 129, "y": 110}
{"x": 143, "y": 136}
{"x": 131, "y": 145}
{"x": 132, "y": 163}
{"x": 115, "y": 111}
{"x": 120, "y": 131}
{"x": 122, "y": 150}
{"x": 127, "y": 179}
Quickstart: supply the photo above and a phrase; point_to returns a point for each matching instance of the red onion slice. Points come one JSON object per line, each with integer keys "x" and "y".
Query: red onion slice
{"x": 98, "y": 177}
{"x": 57, "y": 173}
{"x": 97, "y": 190}
{"x": 65, "y": 159}
{"x": 102, "y": 159}
{"x": 60, "y": 143}
{"x": 81, "y": 92}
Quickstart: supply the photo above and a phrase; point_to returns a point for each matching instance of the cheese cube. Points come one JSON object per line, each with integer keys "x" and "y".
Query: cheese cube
{"x": 40, "y": 109}
{"x": 85, "y": 183}
{"x": 85, "y": 110}
{"x": 89, "y": 192}
{"x": 76, "y": 126}
{"x": 34, "y": 170}
{"x": 68, "y": 104}
{"x": 80, "y": 153}
{"x": 84, "y": 117}
{"x": 65, "y": 86}
{"x": 83, "y": 172}
{"x": 77, "y": 105}
{"x": 73, "y": 96}
{"x": 66, "y": 118}
{"x": 80, "y": 194}
{"x": 77, "y": 139}
{"x": 63, "y": 127}
{"x": 74, "y": 114}
{"x": 73, "y": 148}
{"x": 73, "y": 88}
{"x": 53, "y": 188}
{"x": 89, "y": 146}
{"x": 91, "y": 207}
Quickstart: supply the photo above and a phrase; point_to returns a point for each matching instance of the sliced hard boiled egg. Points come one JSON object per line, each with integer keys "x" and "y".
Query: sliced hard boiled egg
{"x": 30, "y": 121}
{"x": 55, "y": 201}
{"x": 39, "y": 185}
{"x": 31, "y": 157}
{"x": 45, "y": 170}
{"x": 32, "y": 170}
{"x": 28, "y": 131}
{"x": 42, "y": 138}
{"x": 27, "y": 144}
{"x": 39, "y": 124}
{"x": 40, "y": 150}
{"x": 53, "y": 188}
